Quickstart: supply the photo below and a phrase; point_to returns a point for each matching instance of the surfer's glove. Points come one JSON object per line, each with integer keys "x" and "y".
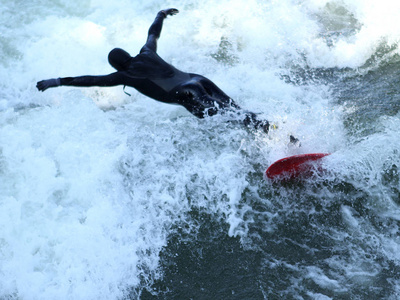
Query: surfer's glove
{"x": 45, "y": 84}
{"x": 169, "y": 12}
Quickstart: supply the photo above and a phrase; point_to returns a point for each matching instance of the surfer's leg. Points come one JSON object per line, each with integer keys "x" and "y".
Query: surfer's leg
{"x": 251, "y": 120}
{"x": 227, "y": 104}
{"x": 195, "y": 99}
{"x": 203, "y": 98}
{"x": 215, "y": 92}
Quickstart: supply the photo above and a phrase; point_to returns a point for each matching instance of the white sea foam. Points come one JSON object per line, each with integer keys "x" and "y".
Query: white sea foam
{"x": 88, "y": 195}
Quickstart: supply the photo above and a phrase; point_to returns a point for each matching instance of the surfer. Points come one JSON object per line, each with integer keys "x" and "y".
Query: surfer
{"x": 149, "y": 74}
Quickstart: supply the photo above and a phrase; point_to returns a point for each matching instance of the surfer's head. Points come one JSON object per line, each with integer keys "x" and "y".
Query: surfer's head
{"x": 119, "y": 59}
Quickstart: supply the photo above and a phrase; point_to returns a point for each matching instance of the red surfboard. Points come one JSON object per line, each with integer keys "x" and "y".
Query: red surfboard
{"x": 293, "y": 166}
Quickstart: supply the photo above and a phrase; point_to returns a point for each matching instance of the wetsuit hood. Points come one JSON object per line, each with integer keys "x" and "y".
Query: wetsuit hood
{"x": 119, "y": 59}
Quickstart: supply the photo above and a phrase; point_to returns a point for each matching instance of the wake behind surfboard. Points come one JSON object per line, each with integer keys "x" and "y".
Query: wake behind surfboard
{"x": 293, "y": 166}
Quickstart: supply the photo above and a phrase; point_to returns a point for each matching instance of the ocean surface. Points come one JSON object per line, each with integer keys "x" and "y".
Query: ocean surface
{"x": 106, "y": 196}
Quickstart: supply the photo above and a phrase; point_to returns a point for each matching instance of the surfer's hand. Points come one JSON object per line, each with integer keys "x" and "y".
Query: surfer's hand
{"x": 170, "y": 11}
{"x": 45, "y": 84}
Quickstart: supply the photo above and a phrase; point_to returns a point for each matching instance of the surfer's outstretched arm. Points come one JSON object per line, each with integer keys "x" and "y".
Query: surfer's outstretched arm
{"x": 155, "y": 28}
{"x": 112, "y": 79}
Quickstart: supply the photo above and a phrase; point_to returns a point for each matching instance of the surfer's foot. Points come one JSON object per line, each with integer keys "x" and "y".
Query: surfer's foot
{"x": 265, "y": 128}
{"x": 294, "y": 142}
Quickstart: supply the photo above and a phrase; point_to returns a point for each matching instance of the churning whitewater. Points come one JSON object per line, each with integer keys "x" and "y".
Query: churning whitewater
{"x": 106, "y": 196}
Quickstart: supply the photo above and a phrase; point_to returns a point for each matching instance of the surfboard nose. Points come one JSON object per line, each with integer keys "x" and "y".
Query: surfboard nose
{"x": 293, "y": 166}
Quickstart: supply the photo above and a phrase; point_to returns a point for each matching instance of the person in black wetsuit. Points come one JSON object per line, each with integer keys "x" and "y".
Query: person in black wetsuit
{"x": 152, "y": 76}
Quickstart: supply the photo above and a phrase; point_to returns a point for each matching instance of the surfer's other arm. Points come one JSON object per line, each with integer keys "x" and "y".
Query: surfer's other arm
{"x": 112, "y": 79}
{"x": 155, "y": 28}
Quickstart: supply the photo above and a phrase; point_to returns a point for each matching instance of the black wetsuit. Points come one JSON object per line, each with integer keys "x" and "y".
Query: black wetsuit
{"x": 152, "y": 76}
